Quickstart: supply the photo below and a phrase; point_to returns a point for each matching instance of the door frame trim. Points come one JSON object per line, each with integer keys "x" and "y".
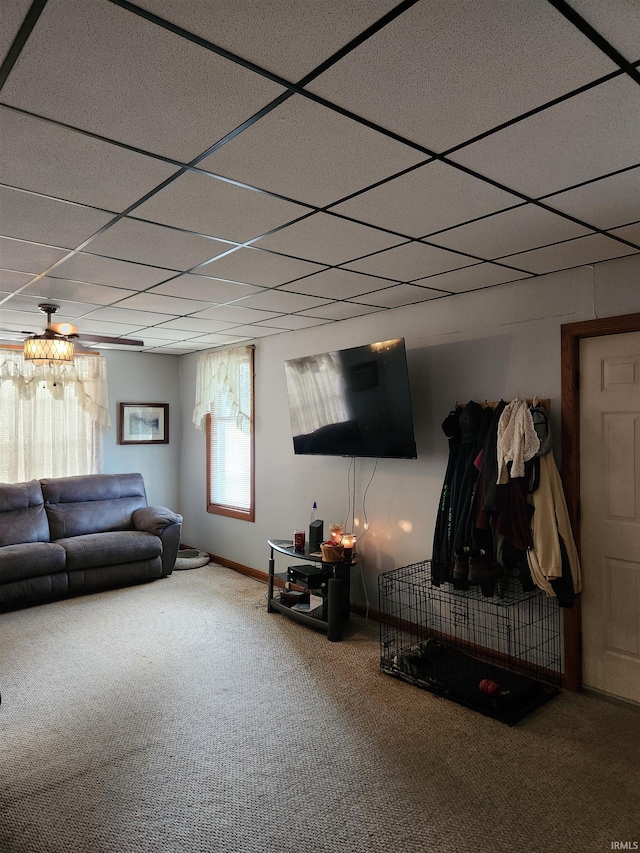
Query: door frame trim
{"x": 570, "y": 336}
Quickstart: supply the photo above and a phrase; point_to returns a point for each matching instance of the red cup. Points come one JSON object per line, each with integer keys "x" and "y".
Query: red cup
{"x": 298, "y": 540}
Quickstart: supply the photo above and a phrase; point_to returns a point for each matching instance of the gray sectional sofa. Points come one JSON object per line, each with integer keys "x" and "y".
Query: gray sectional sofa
{"x": 73, "y": 535}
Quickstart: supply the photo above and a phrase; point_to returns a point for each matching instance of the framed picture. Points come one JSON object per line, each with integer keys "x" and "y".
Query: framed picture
{"x": 144, "y": 423}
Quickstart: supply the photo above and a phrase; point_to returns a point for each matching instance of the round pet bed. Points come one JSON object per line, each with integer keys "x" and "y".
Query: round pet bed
{"x": 190, "y": 558}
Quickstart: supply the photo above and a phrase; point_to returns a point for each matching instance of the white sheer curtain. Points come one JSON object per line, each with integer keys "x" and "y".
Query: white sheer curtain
{"x": 223, "y": 373}
{"x": 51, "y": 417}
{"x": 316, "y": 393}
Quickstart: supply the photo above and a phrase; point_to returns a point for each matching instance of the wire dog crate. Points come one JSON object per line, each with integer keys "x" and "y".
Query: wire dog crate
{"x": 500, "y": 656}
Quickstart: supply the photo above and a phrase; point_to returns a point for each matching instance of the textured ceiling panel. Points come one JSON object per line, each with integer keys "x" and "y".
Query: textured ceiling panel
{"x": 217, "y": 208}
{"x": 472, "y": 278}
{"x": 397, "y": 295}
{"x": 209, "y": 289}
{"x": 110, "y": 272}
{"x": 492, "y": 60}
{"x": 281, "y": 301}
{"x": 430, "y": 198}
{"x": 328, "y": 239}
{"x": 607, "y": 203}
{"x": 103, "y": 69}
{"x": 589, "y": 136}
{"x": 311, "y": 154}
{"x": 516, "y": 230}
{"x": 43, "y": 220}
{"x": 286, "y": 38}
{"x": 585, "y": 250}
{"x": 12, "y": 16}
{"x": 28, "y": 257}
{"x": 253, "y": 266}
{"x": 37, "y": 155}
{"x": 617, "y": 20}
{"x": 10, "y": 281}
{"x": 411, "y": 261}
{"x": 337, "y": 284}
{"x": 55, "y": 289}
{"x": 152, "y": 301}
{"x": 341, "y": 311}
{"x": 151, "y": 244}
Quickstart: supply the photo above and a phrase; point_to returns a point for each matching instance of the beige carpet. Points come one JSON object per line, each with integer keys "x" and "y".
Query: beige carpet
{"x": 179, "y": 716}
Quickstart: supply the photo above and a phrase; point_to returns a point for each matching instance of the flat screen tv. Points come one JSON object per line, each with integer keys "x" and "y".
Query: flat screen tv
{"x": 352, "y": 402}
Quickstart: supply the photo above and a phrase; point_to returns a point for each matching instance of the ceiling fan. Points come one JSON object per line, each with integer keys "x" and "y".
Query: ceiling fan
{"x": 57, "y": 343}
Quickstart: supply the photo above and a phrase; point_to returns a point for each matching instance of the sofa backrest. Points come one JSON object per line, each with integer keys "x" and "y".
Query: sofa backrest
{"x": 95, "y": 503}
{"x": 22, "y": 515}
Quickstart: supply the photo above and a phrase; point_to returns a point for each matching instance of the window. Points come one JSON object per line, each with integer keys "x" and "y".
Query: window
{"x": 224, "y": 401}
{"x": 51, "y": 417}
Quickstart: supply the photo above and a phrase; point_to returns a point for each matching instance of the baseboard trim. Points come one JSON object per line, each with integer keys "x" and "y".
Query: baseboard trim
{"x": 263, "y": 577}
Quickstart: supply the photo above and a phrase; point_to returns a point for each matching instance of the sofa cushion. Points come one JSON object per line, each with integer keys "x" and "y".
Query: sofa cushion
{"x": 22, "y": 515}
{"x": 30, "y": 560}
{"x": 83, "y": 581}
{"x": 108, "y": 549}
{"x": 95, "y": 503}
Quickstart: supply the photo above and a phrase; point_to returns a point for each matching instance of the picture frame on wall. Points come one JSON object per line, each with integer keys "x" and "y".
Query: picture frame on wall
{"x": 143, "y": 423}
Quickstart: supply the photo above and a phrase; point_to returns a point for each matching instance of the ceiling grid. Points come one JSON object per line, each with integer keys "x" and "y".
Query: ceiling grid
{"x": 194, "y": 175}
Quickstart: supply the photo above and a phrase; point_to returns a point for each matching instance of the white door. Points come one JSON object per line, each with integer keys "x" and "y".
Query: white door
{"x": 610, "y": 512}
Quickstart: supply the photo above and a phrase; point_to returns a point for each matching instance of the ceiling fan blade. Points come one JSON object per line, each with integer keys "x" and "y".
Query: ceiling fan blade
{"x": 103, "y": 339}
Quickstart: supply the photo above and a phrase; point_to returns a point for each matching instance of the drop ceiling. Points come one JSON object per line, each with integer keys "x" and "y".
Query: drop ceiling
{"x": 195, "y": 174}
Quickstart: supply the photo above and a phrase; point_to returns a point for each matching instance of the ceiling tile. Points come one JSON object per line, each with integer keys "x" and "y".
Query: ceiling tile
{"x": 444, "y": 72}
{"x": 11, "y": 281}
{"x": 280, "y": 301}
{"x": 311, "y": 154}
{"x": 123, "y": 315}
{"x": 218, "y": 339}
{"x": 209, "y": 289}
{"x": 584, "y": 250}
{"x": 59, "y": 162}
{"x": 77, "y": 291}
{"x": 341, "y": 311}
{"x": 328, "y": 239}
{"x": 398, "y": 295}
{"x": 291, "y": 322}
{"x": 629, "y": 232}
{"x": 112, "y": 329}
{"x": 206, "y": 205}
{"x": 195, "y": 325}
{"x": 155, "y": 245}
{"x": 28, "y": 257}
{"x": 470, "y": 278}
{"x": 617, "y": 20}
{"x": 254, "y": 266}
{"x": 163, "y": 334}
{"x": 12, "y": 17}
{"x": 234, "y": 314}
{"x": 153, "y": 301}
{"x": 110, "y": 271}
{"x": 516, "y": 230}
{"x": 589, "y": 136}
{"x": 336, "y": 284}
{"x": 29, "y": 304}
{"x": 411, "y": 261}
{"x": 290, "y": 40}
{"x": 43, "y": 220}
{"x": 256, "y": 331}
{"x": 184, "y": 97}
{"x": 606, "y": 203}
{"x": 428, "y": 199}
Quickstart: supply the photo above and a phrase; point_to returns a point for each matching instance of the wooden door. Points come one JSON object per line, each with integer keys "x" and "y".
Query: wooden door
{"x": 609, "y": 411}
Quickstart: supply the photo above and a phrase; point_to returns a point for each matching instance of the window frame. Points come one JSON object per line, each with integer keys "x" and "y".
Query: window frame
{"x": 226, "y": 509}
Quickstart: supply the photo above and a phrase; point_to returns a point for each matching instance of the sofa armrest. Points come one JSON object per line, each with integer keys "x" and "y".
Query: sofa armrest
{"x": 165, "y": 524}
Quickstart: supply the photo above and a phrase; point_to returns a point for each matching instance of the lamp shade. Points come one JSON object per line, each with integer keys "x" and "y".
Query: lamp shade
{"x": 48, "y": 349}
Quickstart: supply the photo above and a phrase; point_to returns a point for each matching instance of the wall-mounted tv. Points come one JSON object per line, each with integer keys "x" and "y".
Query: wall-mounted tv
{"x": 352, "y": 402}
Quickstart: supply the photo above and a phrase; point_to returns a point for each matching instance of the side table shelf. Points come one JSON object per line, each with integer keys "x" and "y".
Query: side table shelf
{"x": 336, "y": 596}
